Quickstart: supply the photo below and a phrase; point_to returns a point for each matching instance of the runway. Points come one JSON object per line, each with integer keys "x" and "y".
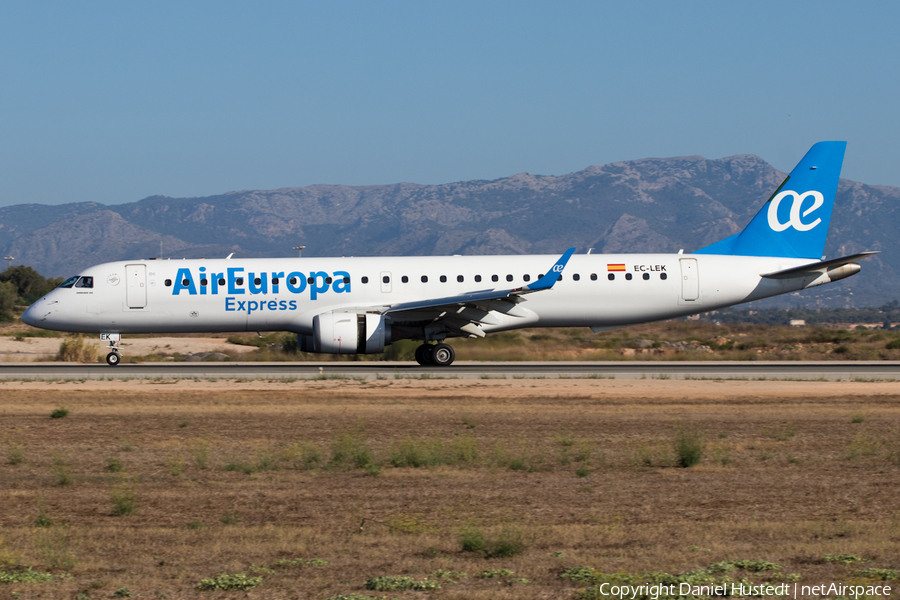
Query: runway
{"x": 787, "y": 370}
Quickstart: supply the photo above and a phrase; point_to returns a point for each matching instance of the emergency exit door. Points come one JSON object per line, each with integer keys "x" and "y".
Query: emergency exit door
{"x": 690, "y": 282}
{"x": 136, "y": 288}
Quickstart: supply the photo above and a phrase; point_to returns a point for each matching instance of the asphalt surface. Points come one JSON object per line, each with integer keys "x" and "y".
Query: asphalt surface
{"x": 835, "y": 370}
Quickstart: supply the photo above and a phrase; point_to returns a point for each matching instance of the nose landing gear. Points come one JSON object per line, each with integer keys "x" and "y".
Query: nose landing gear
{"x": 440, "y": 355}
{"x": 114, "y": 357}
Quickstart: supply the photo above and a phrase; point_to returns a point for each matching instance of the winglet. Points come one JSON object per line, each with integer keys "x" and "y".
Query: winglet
{"x": 551, "y": 277}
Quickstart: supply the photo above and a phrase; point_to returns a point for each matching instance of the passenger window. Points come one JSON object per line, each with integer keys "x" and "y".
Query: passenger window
{"x": 365, "y": 280}
{"x": 646, "y": 276}
{"x": 203, "y": 282}
{"x": 187, "y": 282}
{"x": 628, "y": 276}
{"x": 443, "y": 279}
{"x": 168, "y": 283}
{"x": 257, "y": 281}
{"x": 70, "y": 282}
{"x": 494, "y": 278}
{"x": 460, "y": 278}
{"x": 385, "y": 279}
{"x": 404, "y": 279}
{"x": 611, "y": 276}
{"x": 309, "y": 280}
{"x": 576, "y": 277}
{"x": 274, "y": 281}
{"x": 509, "y": 277}
{"x": 328, "y": 280}
{"x": 239, "y": 281}
{"x": 424, "y": 278}
{"x": 593, "y": 277}
{"x": 346, "y": 280}
{"x": 222, "y": 281}
{"x": 478, "y": 279}
{"x": 663, "y": 276}
{"x": 526, "y": 277}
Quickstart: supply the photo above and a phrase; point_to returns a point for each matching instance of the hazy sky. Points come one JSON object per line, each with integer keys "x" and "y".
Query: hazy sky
{"x": 115, "y": 101}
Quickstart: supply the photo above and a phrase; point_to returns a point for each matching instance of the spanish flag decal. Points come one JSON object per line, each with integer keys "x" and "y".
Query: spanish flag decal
{"x": 615, "y": 267}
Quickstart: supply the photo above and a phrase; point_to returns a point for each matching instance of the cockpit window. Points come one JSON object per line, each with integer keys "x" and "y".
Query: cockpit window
{"x": 85, "y": 282}
{"x": 70, "y": 282}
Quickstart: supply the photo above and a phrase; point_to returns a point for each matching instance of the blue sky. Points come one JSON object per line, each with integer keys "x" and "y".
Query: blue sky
{"x": 115, "y": 101}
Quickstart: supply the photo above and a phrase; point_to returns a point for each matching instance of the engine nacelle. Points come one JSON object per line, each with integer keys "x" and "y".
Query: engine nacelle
{"x": 349, "y": 333}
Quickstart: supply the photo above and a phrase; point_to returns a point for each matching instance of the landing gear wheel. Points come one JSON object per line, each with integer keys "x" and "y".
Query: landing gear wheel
{"x": 443, "y": 355}
{"x": 113, "y": 358}
{"x": 423, "y": 354}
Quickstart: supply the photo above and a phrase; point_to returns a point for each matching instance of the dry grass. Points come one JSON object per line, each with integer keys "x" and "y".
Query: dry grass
{"x": 801, "y": 481}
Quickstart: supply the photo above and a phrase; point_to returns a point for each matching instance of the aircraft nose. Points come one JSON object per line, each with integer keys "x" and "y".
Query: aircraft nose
{"x": 29, "y": 317}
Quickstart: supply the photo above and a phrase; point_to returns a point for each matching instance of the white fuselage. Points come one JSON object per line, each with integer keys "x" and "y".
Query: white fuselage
{"x": 168, "y": 296}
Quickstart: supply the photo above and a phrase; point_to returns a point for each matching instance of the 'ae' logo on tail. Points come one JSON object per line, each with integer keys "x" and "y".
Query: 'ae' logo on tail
{"x": 795, "y": 219}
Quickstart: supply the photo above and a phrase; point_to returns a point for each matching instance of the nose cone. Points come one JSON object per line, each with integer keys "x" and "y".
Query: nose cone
{"x": 30, "y": 316}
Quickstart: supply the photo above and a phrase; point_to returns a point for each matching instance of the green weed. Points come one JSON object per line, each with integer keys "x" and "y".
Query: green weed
{"x": 842, "y": 558}
{"x": 15, "y": 453}
{"x": 124, "y": 499}
{"x": 351, "y": 451}
{"x": 494, "y": 573}
{"x": 201, "y": 454}
{"x": 61, "y": 471}
{"x": 507, "y": 543}
{"x": 882, "y": 574}
{"x": 25, "y": 576}
{"x": 397, "y": 583}
{"x": 688, "y": 446}
{"x": 53, "y": 546}
{"x": 226, "y": 582}
{"x": 175, "y": 465}
{"x": 860, "y": 446}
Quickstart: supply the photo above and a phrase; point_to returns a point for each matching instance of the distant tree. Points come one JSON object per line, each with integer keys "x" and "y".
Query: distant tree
{"x": 8, "y": 298}
{"x": 30, "y": 285}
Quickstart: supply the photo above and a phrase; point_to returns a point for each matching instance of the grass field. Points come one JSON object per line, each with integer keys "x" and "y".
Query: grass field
{"x": 667, "y": 340}
{"x": 485, "y": 488}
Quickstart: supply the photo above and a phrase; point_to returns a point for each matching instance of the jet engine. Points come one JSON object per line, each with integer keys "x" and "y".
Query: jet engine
{"x": 346, "y": 333}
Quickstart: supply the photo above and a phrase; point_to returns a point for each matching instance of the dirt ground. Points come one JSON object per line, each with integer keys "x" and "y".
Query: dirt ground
{"x": 153, "y": 486}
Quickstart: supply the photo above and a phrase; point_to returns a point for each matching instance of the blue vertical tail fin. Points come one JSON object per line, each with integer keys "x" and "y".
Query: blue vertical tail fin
{"x": 794, "y": 220}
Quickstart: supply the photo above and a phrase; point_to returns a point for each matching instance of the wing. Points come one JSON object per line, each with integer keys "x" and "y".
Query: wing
{"x": 465, "y": 314}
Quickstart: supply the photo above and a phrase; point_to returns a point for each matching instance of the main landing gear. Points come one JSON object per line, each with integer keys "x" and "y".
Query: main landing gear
{"x": 440, "y": 355}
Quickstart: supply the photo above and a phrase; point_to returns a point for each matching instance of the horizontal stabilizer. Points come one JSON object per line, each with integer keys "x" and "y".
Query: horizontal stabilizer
{"x": 819, "y": 267}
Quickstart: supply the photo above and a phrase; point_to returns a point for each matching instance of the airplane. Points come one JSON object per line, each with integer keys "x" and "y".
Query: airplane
{"x": 360, "y": 305}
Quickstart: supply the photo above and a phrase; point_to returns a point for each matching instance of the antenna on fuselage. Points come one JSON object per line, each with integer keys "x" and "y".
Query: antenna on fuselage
{"x": 299, "y": 250}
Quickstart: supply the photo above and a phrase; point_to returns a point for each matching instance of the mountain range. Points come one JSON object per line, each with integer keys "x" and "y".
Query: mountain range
{"x": 647, "y": 205}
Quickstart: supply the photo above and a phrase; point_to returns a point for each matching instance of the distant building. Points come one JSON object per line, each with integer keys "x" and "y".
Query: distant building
{"x": 798, "y": 322}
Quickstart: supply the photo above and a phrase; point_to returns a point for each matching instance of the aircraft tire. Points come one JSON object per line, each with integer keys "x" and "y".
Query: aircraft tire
{"x": 443, "y": 355}
{"x": 113, "y": 359}
{"x": 423, "y": 354}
